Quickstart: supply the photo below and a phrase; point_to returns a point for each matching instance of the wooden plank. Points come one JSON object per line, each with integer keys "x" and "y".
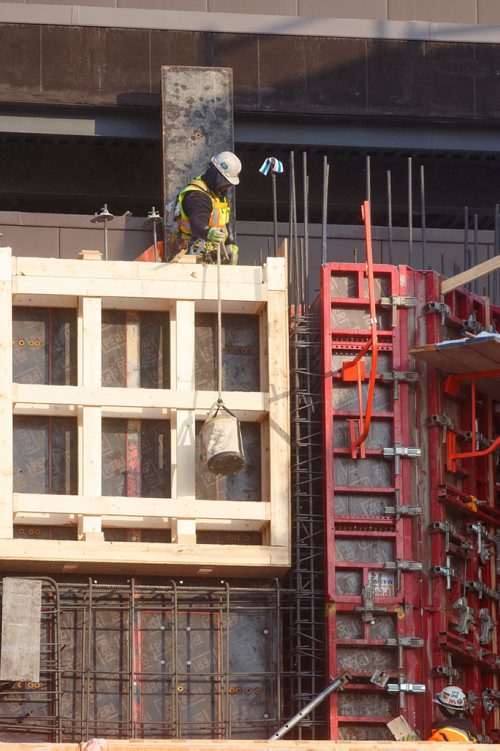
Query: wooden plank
{"x": 21, "y": 617}
{"x": 470, "y": 356}
{"x": 43, "y": 518}
{"x": 263, "y": 745}
{"x": 6, "y": 428}
{"x": 124, "y": 271}
{"x": 279, "y": 404}
{"x": 481, "y": 269}
{"x": 143, "y": 558}
{"x": 140, "y": 508}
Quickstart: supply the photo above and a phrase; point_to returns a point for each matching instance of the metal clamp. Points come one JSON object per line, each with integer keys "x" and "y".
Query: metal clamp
{"x": 438, "y": 307}
{"x": 368, "y": 608}
{"x": 440, "y": 421}
{"x": 400, "y": 566}
{"x": 398, "y": 452}
{"x": 409, "y": 688}
{"x": 483, "y": 591}
{"x": 413, "y": 642}
{"x": 395, "y": 302}
{"x": 399, "y": 376}
{"x": 447, "y": 571}
{"x": 402, "y": 511}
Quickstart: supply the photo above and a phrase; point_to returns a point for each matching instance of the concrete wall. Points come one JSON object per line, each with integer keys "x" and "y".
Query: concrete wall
{"x": 63, "y": 236}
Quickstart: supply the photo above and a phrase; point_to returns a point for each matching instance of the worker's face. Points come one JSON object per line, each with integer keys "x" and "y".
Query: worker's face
{"x": 225, "y": 187}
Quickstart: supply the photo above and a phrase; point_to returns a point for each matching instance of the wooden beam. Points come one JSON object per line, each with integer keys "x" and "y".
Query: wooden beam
{"x": 279, "y": 412}
{"x": 143, "y": 558}
{"x": 133, "y": 403}
{"x": 481, "y": 269}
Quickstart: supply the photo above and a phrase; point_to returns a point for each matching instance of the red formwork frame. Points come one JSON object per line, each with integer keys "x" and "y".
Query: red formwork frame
{"x": 405, "y": 602}
{"x": 458, "y": 501}
{"x": 425, "y": 599}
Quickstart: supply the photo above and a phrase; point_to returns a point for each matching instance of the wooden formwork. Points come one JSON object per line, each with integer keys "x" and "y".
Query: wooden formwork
{"x": 101, "y": 744}
{"x": 91, "y": 287}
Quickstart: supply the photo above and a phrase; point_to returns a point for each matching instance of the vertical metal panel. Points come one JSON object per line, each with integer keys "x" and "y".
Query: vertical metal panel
{"x": 197, "y": 121}
{"x": 21, "y": 613}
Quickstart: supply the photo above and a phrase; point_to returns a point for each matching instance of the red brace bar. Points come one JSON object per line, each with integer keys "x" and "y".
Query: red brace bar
{"x": 451, "y": 386}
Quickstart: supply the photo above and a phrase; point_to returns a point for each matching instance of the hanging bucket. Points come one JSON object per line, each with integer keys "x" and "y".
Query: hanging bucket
{"x": 221, "y": 441}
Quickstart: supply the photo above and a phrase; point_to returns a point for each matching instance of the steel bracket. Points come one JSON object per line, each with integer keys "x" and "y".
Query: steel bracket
{"x": 491, "y": 699}
{"x": 405, "y": 641}
{"x": 467, "y": 616}
{"x": 368, "y": 608}
{"x": 483, "y": 591}
{"x": 487, "y": 626}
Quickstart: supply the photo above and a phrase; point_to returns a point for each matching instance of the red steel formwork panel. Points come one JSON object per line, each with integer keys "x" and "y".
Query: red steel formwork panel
{"x": 461, "y": 548}
{"x": 373, "y": 573}
{"x": 411, "y": 546}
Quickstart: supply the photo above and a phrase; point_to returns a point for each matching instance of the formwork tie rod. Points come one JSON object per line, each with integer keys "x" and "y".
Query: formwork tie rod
{"x": 336, "y": 685}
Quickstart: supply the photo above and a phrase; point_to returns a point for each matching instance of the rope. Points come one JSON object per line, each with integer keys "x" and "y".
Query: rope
{"x": 219, "y": 329}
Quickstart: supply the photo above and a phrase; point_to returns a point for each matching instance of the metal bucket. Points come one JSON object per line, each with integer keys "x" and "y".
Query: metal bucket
{"x": 221, "y": 442}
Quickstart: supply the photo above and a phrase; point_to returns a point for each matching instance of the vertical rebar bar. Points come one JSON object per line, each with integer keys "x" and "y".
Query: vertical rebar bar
{"x": 305, "y": 254}
{"x": 368, "y": 180}
{"x": 466, "y": 237}
{"x": 422, "y": 212}
{"x": 389, "y": 212}
{"x": 324, "y": 214}
{"x": 410, "y": 211}
{"x": 275, "y": 212}
{"x": 294, "y": 245}
{"x": 131, "y": 638}
{"x": 227, "y": 662}
{"x": 476, "y": 250}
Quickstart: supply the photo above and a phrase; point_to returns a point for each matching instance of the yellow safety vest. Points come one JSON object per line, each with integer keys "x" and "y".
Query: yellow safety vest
{"x": 220, "y": 208}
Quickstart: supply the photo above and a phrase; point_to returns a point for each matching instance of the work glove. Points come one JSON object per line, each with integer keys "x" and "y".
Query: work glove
{"x": 217, "y": 234}
{"x": 232, "y": 251}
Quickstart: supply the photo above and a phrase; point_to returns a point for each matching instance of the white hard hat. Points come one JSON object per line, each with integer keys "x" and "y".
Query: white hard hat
{"x": 451, "y": 697}
{"x": 228, "y": 165}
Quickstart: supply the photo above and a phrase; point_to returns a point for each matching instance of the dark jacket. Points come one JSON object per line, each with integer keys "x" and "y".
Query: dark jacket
{"x": 198, "y": 206}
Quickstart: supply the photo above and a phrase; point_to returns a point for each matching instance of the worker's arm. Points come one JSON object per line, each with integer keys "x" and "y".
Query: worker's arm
{"x": 198, "y": 208}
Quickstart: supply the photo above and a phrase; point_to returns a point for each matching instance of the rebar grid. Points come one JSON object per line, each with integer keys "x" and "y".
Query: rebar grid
{"x": 125, "y": 661}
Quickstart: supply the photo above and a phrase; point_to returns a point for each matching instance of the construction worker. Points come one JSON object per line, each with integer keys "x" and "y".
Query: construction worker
{"x": 202, "y": 212}
{"x": 451, "y": 723}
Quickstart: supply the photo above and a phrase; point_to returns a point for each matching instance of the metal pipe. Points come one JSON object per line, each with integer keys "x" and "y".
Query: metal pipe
{"x": 334, "y": 686}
